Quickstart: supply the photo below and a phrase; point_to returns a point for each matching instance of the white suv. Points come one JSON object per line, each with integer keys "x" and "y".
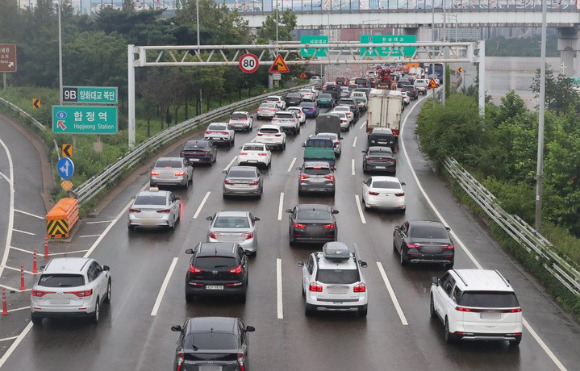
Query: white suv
{"x": 287, "y": 121}
{"x": 278, "y": 100}
{"x": 70, "y": 287}
{"x": 476, "y": 304}
{"x": 272, "y": 136}
{"x": 332, "y": 280}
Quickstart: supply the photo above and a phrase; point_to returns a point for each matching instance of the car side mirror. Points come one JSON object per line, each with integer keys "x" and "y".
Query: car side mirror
{"x": 435, "y": 281}
{"x": 363, "y": 264}
{"x": 448, "y": 229}
{"x": 250, "y": 329}
{"x": 300, "y": 264}
{"x": 403, "y": 183}
{"x": 289, "y": 211}
{"x": 176, "y": 328}
{"x": 397, "y": 228}
{"x": 335, "y": 212}
{"x": 247, "y": 253}
{"x": 106, "y": 268}
{"x": 256, "y": 219}
{"x": 224, "y": 171}
{"x": 189, "y": 251}
{"x": 210, "y": 218}
{"x": 363, "y": 151}
{"x": 177, "y": 198}
{"x": 42, "y": 267}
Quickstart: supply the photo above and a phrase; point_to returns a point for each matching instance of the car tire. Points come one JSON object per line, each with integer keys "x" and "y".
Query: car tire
{"x": 362, "y": 313}
{"x": 307, "y": 311}
{"x": 292, "y": 239}
{"x": 432, "y": 308}
{"x": 172, "y": 226}
{"x": 449, "y": 337}
{"x": 131, "y": 228}
{"x": 242, "y": 298}
{"x": 187, "y": 184}
{"x": 402, "y": 258}
{"x": 348, "y": 128}
{"x": 109, "y": 292}
{"x": 448, "y": 266}
{"x": 395, "y": 247}
{"x": 36, "y": 320}
{"x": 96, "y": 316}
{"x": 225, "y": 196}
{"x": 516, "y": 342}
{"x": 189, "y": 298}
{"x": 284, "y": 146}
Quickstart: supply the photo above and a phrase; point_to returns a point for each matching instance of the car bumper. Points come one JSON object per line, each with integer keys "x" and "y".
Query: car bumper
{"x": 383, "y": 167}
{"x": 245, "y": 191}
{"x": 54, "y": 311}
{"x": 150, "y": 222}
{"x": 249, "y": 161}
{"x": 168, "y": 182}
{"x": 313, "y": 238}
{"x": 226, "y": 291}
{"x": 199, "y": 160}
{"x": 217, "y": 140}
{"x": 244, "y": 126}
{"x": 317, "y": 188}
{"x": 396, "y": 203}
{"x": 338, "y": 305}
{"x": 271, "y": 145}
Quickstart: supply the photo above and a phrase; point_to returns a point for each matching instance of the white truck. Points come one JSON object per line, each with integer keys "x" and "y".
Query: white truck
{"x": 384, "y": 110}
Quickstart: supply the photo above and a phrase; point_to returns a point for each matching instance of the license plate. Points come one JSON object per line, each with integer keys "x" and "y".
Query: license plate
{"x": 195, "y": 159}
{"x": 240, "y": 185}
{"x": 59, "y": 301}
{"x": 382, "y": 142}
{"x": 379, "y": 167}
{"x": 490, "y": 315}
{"x": 214, "y": 287}
{"x": 210, "y": 368}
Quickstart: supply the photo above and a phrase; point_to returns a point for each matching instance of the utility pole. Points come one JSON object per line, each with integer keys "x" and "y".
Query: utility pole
{"x": 540, "y": 160}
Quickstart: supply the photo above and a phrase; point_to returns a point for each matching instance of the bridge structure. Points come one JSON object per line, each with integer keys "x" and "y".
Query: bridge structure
{"x": 422, "y": 17}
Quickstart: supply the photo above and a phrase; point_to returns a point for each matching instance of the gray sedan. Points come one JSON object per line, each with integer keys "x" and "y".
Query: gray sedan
{"x": 155, "y": 208}
{"x": 175, "y": 171}
{"x": 234, "y": 226}
{"x": 243, "y": 181}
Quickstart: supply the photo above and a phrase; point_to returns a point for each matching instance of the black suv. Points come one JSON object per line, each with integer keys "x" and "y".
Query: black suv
{"x": 293, "y": 99}
{"x": 411, "y": 91}
{"x": 199, "y": 151}
{"x": 382, "y": 137}
{"x": 353, "y": 107}
{"x": 217, "y": 269}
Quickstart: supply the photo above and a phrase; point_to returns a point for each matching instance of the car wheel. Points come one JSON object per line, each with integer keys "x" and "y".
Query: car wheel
{"x": 189, "y": 298}
{"x": 362, "y": 312}
{"x": 36, "y": 320}
{"x": 108, "y": 297}
{"x": 292, "y": 239}
{"x": 284, "y": 146}
{"x": 187, "y": 184}
{"x": 97, "y": 313}
{"x": 395, "y": 247}
{"x": 402, "y": 259}
{"x": 448, "y": 266}
{"x": 298, "y": 130}
{"x": 449, "y": 337}
{"x": 225, "y": 196}
{"x": 242, "y": 298}
{"x": 307, "y": 311}
{"x": 348, "y": 128}
{"x": 515, "y": 342}
{"x": 432, "y": 308}
{"x": 364, "y": 203}
{"x": 172, "y": 226}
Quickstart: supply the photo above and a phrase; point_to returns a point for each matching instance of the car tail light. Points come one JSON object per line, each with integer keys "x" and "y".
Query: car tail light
{"x": 134, "y": 210}
{"x": 182, "y": 154}
{"x": 315, "y": 287}
{"x": 206, "y": 132}
{"x": 164, "y": 211}
{"x": 255, "y": 183}
{"x": 330, "y": 177}
{"x": 336, "y": 143}
{"x": 214, "y": 235}
{"x": 259, "y": 110}
{"x": 40, "y": 293}
{"x": 241, "y": 360}
{"x": 228, "y": 182}
{"x": 248, "y": 235}
{"x": 299, "y": 226}
{"x": 243, "y": 153}
{"x": 413, "y": 246}
{"x": 154, "y": 173}
{"x": 193, "y": 269}
{"x": 449, "y": 247}
{"x": 400, "y": 194}
{"x": 304, "y": 176}
{"x": 262, "y": 154}
{"x": 224, "y": 133}
{"x": 360, "y": 287}
{"x": 277, "y": 135}
{"x": 81, "y": 294}
{"x": 180, "y": 359}
{"x": 260, "y": 134}
{"x": 236, "y": 270}
{"x": 180, "y": 173}
{"x": 373, "y": 193}
{"x": 328, "y": 226}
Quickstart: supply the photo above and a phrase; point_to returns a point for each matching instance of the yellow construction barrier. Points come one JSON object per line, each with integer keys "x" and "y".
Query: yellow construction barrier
{"x": 62, "y": 217}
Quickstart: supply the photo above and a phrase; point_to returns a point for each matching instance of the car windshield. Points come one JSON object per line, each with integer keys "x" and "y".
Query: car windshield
{"x": 386, "y": 184}
{"x": 325, "y": 96}
{"x": 231, "y": 222}
{"x": 488, "y": 299}
{"x": 195, "y": 145}
{"x": 317, "y": 171}
{"x": 269, "y": 130}
{"x": 61, "y": 280}
{"x": 253, "y": 147}
{"x": 428, "y": 232}
{"x": 241, "y": 174}
{"x": 313, "y": 215}
{"x": 272, "y": 99}
{"x": 214, "y": 261}
{"x": 239, "y": 116}
{"x": 211, "y": 341}
{"x": 169, "y": 163}
{"x": 342, "y": 276}
{"x": 150, "y": 200}
{"x": 217, "y": 127}
{"x": 268, "y": 105}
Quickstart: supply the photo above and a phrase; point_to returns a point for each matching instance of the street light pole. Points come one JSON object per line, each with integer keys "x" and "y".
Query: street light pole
{"x": 60, "y": 52}
{"x": 197, "y": 16}
{"x": 277, "y": 20}
{"x": 540, "y": 160}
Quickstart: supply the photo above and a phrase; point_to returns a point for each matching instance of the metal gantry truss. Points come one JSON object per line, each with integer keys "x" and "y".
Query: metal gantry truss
{"x": 292, "y": 53}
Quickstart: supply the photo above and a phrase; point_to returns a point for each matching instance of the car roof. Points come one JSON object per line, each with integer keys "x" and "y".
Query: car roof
{"x": 211, "y": 324}
{"x": 322, "y": 164}
{"x": 170, "y": 159}
{"x": 232, "y": 213}
{"x": 385, "y": 178}
{"x": 481, "y": 280}
{"x": 66, "y": 265}
{"x": 301, "y": 207}
{"x": 216, "y": 248}
{"x": 242, "y": 112}
{"x": 382, "y": 131}
{"x": 153, "y": 193}
{"x": 270, "y": 127}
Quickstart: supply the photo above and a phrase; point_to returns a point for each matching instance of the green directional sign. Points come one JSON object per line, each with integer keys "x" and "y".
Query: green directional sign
{"x": 313, "y": 40}
{"x": 84, "y": 119}
{"x": 384, "y": 51}
{"x": 89, "y": 94}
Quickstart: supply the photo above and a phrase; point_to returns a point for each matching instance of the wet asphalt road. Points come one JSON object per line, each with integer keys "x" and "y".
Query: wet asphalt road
{"x": 130, "y": 337}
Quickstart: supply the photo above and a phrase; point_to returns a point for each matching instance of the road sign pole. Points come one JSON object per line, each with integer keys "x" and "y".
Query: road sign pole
{"x": 131, "y": 95}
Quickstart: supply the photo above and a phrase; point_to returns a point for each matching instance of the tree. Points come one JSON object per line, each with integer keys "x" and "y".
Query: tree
{"x": 287, "y": 23}
{"x": 560, "y": 92}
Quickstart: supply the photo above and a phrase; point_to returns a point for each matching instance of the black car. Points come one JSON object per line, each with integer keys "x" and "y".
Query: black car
{"x": 382, "y": 137}
{"x": 342, "y": 81}
{"x": 379, "y": 159}
{"x": 411, "y": 91}
{"x": 353, "y": 107}
{"x": 293, "y": 99}
{"x": 362, "y": 82}
{"x": 312, "y": 223}
{"x": 199, "y": 152}
{"x": 404, "y": 80}
{"x": 424, "y": 242}
{"x": 217, "y": 269}
{"x": 212, "y": 342}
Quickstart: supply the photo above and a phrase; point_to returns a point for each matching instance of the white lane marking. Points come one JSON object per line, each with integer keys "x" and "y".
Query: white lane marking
{"x": 10, "y": 288}
{"x": 98, "y": 222}
{"x": 18, "y": 309}
{"x": 352, "y": 166}
{"x": 363, "y": 125}
{"x": 11, "y": 212}
{"x": 29, "y": 214}
{"x": 392, "y": 294}
{"x": 354, "y": 142}
{"x": 230, "y": 164}
{"x": 279, "y": 288}
{"x": 201, "y": 205}
{"x": 163, "y": 287}
{"x": 291, "y": 164}
{"x": 18, "y": 270}
{"x": 28, "y": 233}
{"x": 19, "y": 249}
{"x": 280, "y": 206}
{"x": 464, "y": 247}
{"x": 10, "y": 338}
{"x": 68, "y": 252}
{"x": 109, "y": 227}
{"x": 89, "y": 235}
{"x": 360, "y": 211}
{"x": 15, "y": 344}
{"x": 4, "y": 176}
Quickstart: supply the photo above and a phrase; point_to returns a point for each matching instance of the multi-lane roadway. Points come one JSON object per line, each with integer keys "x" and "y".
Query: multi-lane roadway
{"x": 148, "y": 269}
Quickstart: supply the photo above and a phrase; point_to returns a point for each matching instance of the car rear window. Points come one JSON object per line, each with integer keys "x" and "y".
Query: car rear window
{"x": 231, "y": 222}
{"x": 386, "y": 184}
{"x": 319, "y": 143}
{"x": 212, "y": 341}
{"x": 325, "y": 96}
{"x": 293, "y": 95}
{"x": 284, "y": 115}
{"x": 242, "y": 174}
{"x": 269, "y": 130}
{"x": 272, "y": 99}
{"x": 195, "y": 145}
{"x": 488, "y": 299}
{"x": 169, "y": 163}
{"x": 150, "y": 200}
{"x": 380, "y": 153}
{"x": 340, "y": 276}
{"x": 239, "y": 116}
{"x": 381, "y": 136}
{"x": 212, "y": 262}
{"x": 317, "y": 171}
{"x": 313, "y": 215}
{"x": 268, "y": 105}
{"x": 253, "y": 147}
{"x": 428, "y": 232}
{"x": 61, "y": 280}
{"x": 217, "y": 127}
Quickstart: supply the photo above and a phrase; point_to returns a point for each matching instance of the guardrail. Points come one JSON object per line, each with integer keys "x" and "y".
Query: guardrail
{"x": 23, "y": 113}
{"x": 565, "y": 272}
{"x": 97, "y": 183}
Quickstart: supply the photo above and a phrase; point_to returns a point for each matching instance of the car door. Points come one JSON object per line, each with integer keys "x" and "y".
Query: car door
{"x": 101, "y": 276}
{"x": 94, "y": 280}
{"x": 188, "y": 167}
{"x": 242, "y": 258}
{"x": 174, "y": 205}
{"x": 307, "y": 272}
{"x": 447, "y": 307}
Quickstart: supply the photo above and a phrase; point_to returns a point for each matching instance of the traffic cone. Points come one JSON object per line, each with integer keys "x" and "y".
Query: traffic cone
{"x": 22, "y": 287}
{"x": 4, "y": 308}
{"x": 34, "y": 264}
{"x": 45, "y": 246}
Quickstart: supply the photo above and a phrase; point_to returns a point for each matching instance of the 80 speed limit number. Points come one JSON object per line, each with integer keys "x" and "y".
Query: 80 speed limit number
{"x": 249, "y": 63}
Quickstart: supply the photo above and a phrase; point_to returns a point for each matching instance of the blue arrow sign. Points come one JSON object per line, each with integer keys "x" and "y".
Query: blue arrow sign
{"x": 65, "y": 167}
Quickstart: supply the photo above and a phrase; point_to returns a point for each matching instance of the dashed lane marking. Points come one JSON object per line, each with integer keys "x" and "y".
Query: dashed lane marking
{"x": 360, "y": 211}
{"x": 291, "y": 164}
{"x": 230, "y": 164}
{"x": 201, "y": 205}
{"x": 352, "y": 166}
{"x": 354, "y": 142}
{"x": 99, "y": 222}
{"x": 280, "y": 206}
{"x": 89, "y": 235}
{"x": 18, "y": 309}
{"x": 392, "y": 294}
{"x": 28, "y": 233}
{"x": 363, "y": 125}
{"x": 163, "y": 287}
{"x": 279, "y": 288}
{"x": 29, "y": 214}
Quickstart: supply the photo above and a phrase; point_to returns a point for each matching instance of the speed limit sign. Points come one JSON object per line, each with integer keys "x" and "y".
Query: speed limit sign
{"x": 249, "y": 63}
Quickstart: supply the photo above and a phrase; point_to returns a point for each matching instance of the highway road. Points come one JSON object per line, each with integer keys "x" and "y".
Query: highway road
{"x": 148, "y": 295}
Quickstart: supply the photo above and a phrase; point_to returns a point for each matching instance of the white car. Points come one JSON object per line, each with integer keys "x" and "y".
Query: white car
{"x": 219, "y": 133}
{"x": 332, "y": 280}
{"x": 278, "y": 100}
{"x": 385, "y": 192}
{"x": 255, "y": 154}
{"x": 346, "y": 109}
{"x": 421, "y": 85}
{"x": 72, "y": 287}
{"x": 307, "y": 95}
{"x": 344, "y": 120}
{"x": 335, "y": 141}
{"x": 241, "y": 120}
{"x": 287, "y": 121}
{"x": 272, "y": 136}
{"x": 406, "y": 98}
{"x": 155, "y": 208}
{"x": 299, "y": 112}
{"x": 476, "y": 304}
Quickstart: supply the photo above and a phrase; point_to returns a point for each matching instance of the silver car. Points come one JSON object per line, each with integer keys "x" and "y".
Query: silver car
{"x": 70, "y": 287}
{"x": 155, "y": 208}
{"x": 337, "y": 144}
{"x": 175, "y": 171}
{"x": 243, "y": 181}
{"x": 234, "y": 226}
